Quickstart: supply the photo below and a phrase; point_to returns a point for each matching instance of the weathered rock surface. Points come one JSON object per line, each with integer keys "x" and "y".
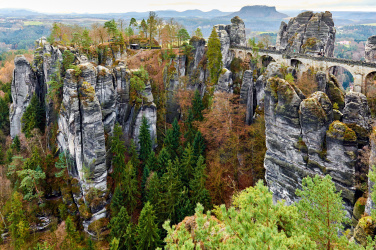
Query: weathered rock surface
{"x": 237, "y": 32}
{"x": 370, "y": 50}
{"x": 247, "y": 95}
{"x": 231, "y": 35}
{"x": 372, "y": 162}
{"x": 302, "y": 141}
{"x": 24, "y": 85}
{"x": 308, "y": 33}
{"x": 225, "y": 82}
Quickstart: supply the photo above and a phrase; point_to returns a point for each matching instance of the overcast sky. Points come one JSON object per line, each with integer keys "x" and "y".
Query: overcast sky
{"x": 118, "y": 6}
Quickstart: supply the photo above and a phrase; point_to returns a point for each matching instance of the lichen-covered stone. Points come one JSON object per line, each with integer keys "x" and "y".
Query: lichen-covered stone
{"x": 309, "y": 33}
{"x": 366, "y": 227}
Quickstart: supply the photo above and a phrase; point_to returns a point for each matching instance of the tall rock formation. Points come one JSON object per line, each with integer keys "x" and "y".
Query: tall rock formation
{"x": 308, "y": 33}
{"x": 303, "y": 140}
{"x": 370, "y": 49}
{"x": 24, "y": 86}
{"x": 231, "y": 35}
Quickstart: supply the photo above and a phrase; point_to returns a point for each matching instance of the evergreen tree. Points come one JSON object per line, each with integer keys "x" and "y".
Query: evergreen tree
{"x": 190, "y": 130}
{"x": 152, "y": 162}
{"x": 134, "y": 155}
{"x": 118, "y": 151}
{"x": 214, "y": 56}
{"x": 169, "y": 194}
{"x": 16, "y": 143}
{"x": 147, "y": 229}
{"x": 145, "y": 176}
{"x": 144, "y": 139}
{"x": 322, "y": 212}
{"x": 197, "y": 107}
{"x": 187, "y": 165}
{"x": 153, "y": 189}
{"x": 130, "y": 187}
{"x": 19, "y": 227}
{"x": 119, "y": 226}
{"x": 71, "y": 231}
{"x": 162, "y": 161}
{"x": 199, "y": 194}
{"x": 185, "y": 207}
{"x": 34, "y": 116}
{"x": 4, "y": 115}
{"x": 61, "y": 165}
{"x": 172, "y": 140}
{"x": 117, "y": 201}
{"x": 198, "y": 145}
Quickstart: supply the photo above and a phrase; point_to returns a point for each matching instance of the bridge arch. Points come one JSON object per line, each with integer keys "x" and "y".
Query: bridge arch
{"x": 265, "y": 60}
{"x": 241, "y": 54}
{"x": 370, "y": 84}
{"x": 298, "y": 65}
{"x": 344, "y": 76}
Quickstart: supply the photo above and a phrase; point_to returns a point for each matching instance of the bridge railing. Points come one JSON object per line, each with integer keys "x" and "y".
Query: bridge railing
{"x": 289, "y": 55}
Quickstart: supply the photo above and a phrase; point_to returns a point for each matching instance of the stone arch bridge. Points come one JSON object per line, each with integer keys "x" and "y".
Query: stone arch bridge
{"x": 360, "y": 70}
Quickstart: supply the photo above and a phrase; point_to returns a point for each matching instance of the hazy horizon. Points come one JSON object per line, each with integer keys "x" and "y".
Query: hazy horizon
{"x": 114, "y": 6}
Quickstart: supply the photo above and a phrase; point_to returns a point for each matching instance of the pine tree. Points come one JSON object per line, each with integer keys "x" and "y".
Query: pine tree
{"x": 147, "y": 229}
{"x": 162, "y": 161}
{"x": 16, "y": 143}
{"x": 71, "y": 231}
{"x": 198, "y": 145}
{"x": 144, "y": 139}
{"x": 19, "y": 227}
{"x": 145, "y": 176}
{"x": 190, "y": 130}
{"x": 119, "y": 227}
{"x": 153, "y": 189}
{"x": 169, "y": 194}
{"x": 117, "y": 201}
{"x": 322, "y": 211}
{"x": 187, "y": 165}
{"x": 197, "y": 106}
{"x": 152, "y": 162}
{"x": 199, "y": 194}
{"x": 185, "y": 207}
{"x": 214, "y": 56}
{"x": 61, "y": 165}
{"x": 118, "y": 151}
{"x": 34, "y": 117}
{"x": 130, "y": 187}
{"x": 172, "y": 140}
{"x": 134, "y": 155}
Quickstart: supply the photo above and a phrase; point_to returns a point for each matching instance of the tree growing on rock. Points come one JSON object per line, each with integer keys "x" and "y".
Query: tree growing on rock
{"x": 214, "y": 56}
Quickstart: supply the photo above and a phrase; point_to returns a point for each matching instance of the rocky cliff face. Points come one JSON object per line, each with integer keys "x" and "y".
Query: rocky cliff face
{"x": 370, "y": 49}
{"x": 94, "y": 98}
{"x": 24, "y": 85}
{"x": 231, "y": 35}
{"x": 308, "y": 33}
{"x": 303, "y": 140}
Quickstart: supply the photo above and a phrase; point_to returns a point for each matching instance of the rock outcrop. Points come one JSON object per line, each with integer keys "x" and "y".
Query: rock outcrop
{"x": 231, "y": 35}
{"x": 247, "y": 95}
{"x": 24, "y": 86}
{"x": 308, "y": 33}
{"x": 370, "y": 50}
{"x": 303, "y": 140}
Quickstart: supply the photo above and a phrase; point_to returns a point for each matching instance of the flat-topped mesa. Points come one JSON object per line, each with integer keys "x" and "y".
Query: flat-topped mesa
{"x": 370, "y": 50}
{"x": 308, "y": 33}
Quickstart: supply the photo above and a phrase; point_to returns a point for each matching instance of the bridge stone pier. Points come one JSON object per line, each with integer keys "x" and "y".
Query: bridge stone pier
{"x": 359, "y": 69}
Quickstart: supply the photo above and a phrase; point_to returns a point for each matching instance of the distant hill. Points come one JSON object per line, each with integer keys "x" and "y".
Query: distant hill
{"x": 17, "y": 13}
{"x": 258, "y": 12}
